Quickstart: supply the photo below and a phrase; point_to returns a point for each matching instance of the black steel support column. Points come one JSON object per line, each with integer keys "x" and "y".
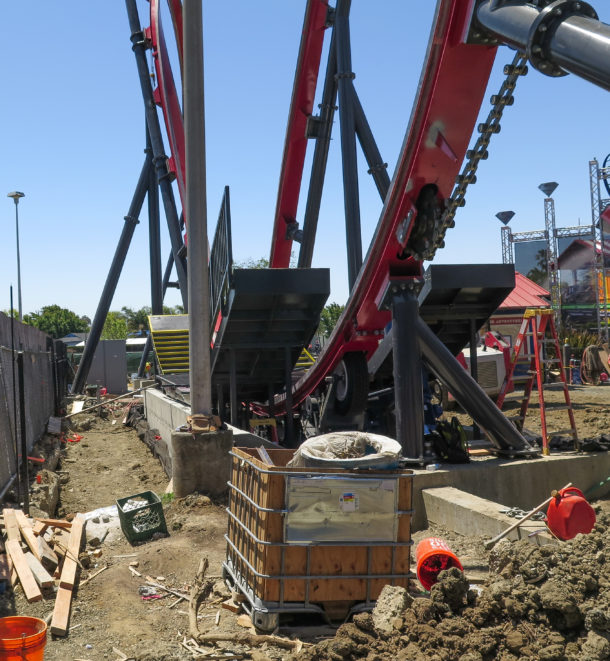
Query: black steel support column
{"x": 377, "y": 168}
{"x": 154, "y": 238}
{"x": 320, "y": 158}
{"x": 409, "y": 399}
{"x": 131, "y": 220}
{"x": 471, "y": 397}
{"x": 233, "y": 388}
{"x": 474, "y": 369}
{"x": 159, "y": 158}
{"x": 25, "y": 478}
{"x": 289, "y": 422}
{"x": 220, "y": 401}
{"x": 351, "y": 198}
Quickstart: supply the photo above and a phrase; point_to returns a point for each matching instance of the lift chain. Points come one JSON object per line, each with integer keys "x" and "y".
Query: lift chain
{"x": 499, "y": 101}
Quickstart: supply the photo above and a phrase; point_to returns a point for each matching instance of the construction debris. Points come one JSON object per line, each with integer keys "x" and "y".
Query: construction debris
{"x": 36, "y": 567}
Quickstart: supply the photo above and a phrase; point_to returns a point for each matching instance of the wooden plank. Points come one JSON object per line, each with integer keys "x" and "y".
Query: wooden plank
{"x": 41, "y": 576}
{"x": 48, "y": 557}
{"x": 56, "y": 523}
{"x": 27, "y": 533}
{"x": 39, "y": 528}
{"x": 68, "y": 573}
{"x": 11, "y": 526}
{"x": 61, "y": 612}
{"x": 30, "y": 588}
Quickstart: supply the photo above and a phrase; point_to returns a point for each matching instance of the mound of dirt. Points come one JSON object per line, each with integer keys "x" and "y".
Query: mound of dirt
{"x": 550, "y": 603}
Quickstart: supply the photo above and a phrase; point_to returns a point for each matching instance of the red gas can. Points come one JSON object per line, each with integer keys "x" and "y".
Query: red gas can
{"x": 569, "y": 513}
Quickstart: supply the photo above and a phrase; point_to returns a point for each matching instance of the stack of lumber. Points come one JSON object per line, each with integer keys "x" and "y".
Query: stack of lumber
{"x": 41, "y": 554}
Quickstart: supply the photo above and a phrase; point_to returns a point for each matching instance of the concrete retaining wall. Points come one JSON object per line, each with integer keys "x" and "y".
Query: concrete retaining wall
{"x": 167, "y": 416}
{"x": 513, "y": 483}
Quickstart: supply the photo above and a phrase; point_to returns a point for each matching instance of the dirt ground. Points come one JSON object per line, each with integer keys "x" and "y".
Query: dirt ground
{"x": 591, "y": 406}
{"x": 511, "y": 617}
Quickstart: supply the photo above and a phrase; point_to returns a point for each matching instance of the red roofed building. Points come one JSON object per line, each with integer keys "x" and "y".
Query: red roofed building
{"x": 507, "y": 319}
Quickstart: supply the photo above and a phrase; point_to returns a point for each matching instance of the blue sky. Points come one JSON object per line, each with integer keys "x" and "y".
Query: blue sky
{"x": 73, "y": 137}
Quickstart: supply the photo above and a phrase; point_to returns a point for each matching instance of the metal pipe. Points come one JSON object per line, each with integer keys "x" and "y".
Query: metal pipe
{"x": 15, "y": 441}
{"x": 409, "y": 399}
{"x": 196, "y": 211}
{"x": 139, "y": 45}
{"x": 131, "y": 220}
{"x": 289, "y": 440}
{"x": 23, "y": 435}
{"x": 471, "y": 397}
{"x": 351, "y": 201}
{"x": 474, "y": 369}
{"x": 234, "y": 404}
{"x": 554, "y": 40}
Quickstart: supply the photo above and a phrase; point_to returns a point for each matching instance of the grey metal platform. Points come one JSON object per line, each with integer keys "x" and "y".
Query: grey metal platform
{"x": 452, "y": 295}
{"x": 269, "y": 316}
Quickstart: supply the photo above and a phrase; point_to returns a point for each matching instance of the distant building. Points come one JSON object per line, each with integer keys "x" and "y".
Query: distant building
{"x": 72, "y": 339}
{"x": 507, "y": 319}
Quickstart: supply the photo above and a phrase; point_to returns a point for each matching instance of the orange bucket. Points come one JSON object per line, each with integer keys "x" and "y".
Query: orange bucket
{"x": 432, "y": 556}
{"x": 22, "y": 638}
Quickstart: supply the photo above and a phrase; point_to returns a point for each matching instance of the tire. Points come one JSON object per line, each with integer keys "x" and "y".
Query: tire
{"x": 351, "y": 384}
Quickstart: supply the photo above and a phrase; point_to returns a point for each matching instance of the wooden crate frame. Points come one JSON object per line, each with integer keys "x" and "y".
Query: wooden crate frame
{"x": 278, "y": 572}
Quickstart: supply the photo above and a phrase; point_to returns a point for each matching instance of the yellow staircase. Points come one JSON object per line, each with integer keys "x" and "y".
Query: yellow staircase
{"x": 170, "y": 336}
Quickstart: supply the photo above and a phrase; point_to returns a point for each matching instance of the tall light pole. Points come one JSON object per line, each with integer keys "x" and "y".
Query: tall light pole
{"x": 507, "y": 246}
{"x": 551, "y": 248}
{"x": 16, "y": 195}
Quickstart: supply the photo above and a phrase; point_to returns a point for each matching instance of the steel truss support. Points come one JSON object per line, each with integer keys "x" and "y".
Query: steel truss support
{"x": 339, "y": 81}
{"x": 140, "y": 44}
{"x": 507, "y": 245}
{"x": 154, "y": 177}
{"x": 131, "y": 220}
{"x": 552, "y": 266}
{"x": 597, "y": 207}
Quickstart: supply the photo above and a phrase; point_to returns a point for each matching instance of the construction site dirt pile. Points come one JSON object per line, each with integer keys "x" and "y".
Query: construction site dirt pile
{"x": 550, "y": 603}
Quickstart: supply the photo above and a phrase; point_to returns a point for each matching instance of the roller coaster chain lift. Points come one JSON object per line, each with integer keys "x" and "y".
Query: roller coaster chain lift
{"x": 398, "y": 320}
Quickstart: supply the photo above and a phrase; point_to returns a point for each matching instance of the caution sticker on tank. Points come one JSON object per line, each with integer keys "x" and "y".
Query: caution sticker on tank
{"x": 349, "y": 502}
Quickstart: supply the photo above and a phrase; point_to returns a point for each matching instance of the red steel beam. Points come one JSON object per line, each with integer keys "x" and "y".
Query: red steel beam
{"x": 295, "y": 145}
{"x": 450, "y": 93}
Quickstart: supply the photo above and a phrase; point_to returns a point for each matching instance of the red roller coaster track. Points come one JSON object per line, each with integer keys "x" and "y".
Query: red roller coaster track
{"x": 451, "y": 89}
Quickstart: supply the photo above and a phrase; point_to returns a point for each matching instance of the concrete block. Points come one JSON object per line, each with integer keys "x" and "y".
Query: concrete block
{"x": 201, "y": 462}
{"x": 467, "y": 514}
{"x": 523, "y": 483}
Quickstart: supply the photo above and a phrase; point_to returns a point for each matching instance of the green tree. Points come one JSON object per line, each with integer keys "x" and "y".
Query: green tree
{"x": 329, "y": 317}
{"x": 11, "y": 313}
{"x": 250, "y": 263}
{"x": 115, "y": 327}
{"x": 539, "y": 273}
{"x": 136, "y": 319}
{"x": 56, "y": 321}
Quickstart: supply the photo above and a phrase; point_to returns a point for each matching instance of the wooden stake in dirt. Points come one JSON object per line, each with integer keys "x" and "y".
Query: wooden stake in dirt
{"x": 529, "y": 515}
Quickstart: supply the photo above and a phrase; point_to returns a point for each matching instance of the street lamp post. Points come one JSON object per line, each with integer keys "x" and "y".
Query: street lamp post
{"x": 16, "y": 195}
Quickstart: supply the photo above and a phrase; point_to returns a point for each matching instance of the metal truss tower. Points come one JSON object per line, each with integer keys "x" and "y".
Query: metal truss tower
{"x": 598, "y": 205}
{"x": 507, "y": 245}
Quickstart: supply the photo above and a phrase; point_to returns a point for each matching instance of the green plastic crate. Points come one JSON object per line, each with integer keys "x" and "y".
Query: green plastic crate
{"x": 141, "y": 522}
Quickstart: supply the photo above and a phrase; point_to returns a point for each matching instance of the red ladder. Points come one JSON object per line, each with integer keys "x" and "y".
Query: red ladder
{"x": 537, "y": 323}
